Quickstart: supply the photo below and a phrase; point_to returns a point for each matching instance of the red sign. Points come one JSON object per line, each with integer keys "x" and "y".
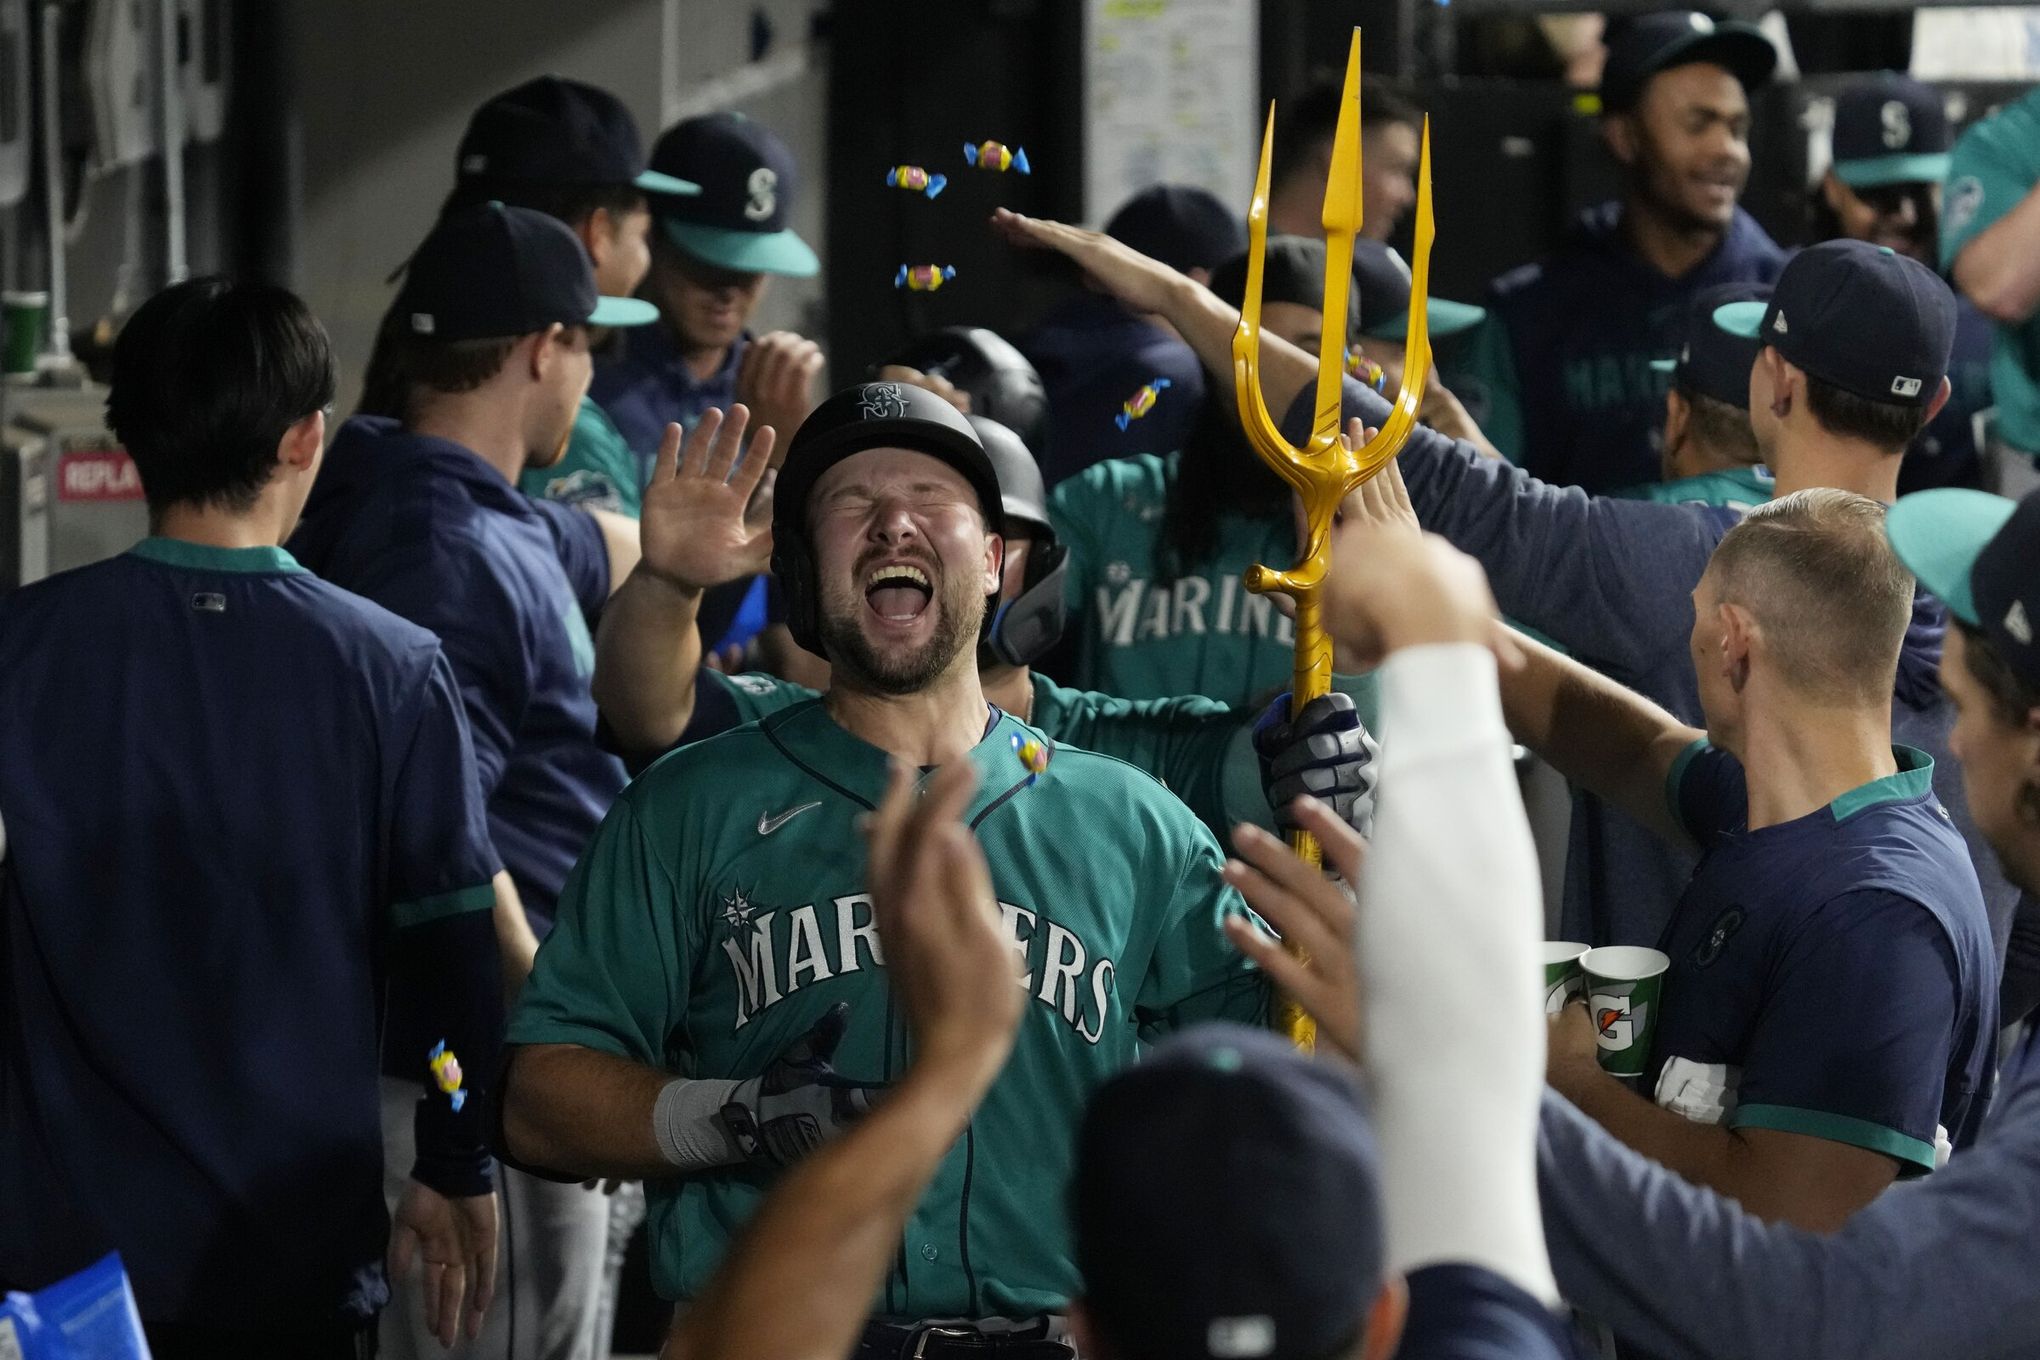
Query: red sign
{"x": 98, "y": 475}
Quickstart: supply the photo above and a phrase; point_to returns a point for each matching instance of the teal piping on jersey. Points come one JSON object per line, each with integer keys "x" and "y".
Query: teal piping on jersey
{"x": 178, "y": 552}
{"x": 1836, "y": 1128}
{"x": 1914, "y": 778}
{"x": 424, "y": 910}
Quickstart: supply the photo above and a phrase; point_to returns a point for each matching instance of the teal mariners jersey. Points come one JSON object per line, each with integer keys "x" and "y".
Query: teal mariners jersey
{"x": 1995, "y": 164}
{"x": 1144, "y": 638}
{"x": 1738, "y": 488}
{"x": 721, "y": 911}
{"x": 598, "y": 469}
{"x": 1201, "y": 750}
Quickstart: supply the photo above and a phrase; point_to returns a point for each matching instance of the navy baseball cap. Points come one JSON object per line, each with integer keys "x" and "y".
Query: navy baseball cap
{"x": 1890, "y": 130}
{"x": 1181, "y": 225}
{"x": 1865, "y": 318}
{"x": 1383, "y": 277}
{"x": 1714, "y": 362}
{"x": 1292, "y": 271}
{"x": 1226, "y": 1202}
{"x": 1657, "y": 42}
{"x": 488, "y": 271}
{"x": 748, "y": 180}
{"x": 1980, "y": 554}
{"x": 557, "y": 131}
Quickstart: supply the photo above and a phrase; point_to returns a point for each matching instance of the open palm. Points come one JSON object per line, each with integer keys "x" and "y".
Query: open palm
{"x": 707, "y": 513}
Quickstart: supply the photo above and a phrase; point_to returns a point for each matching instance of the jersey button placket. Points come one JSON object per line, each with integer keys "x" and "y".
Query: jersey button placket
{"x": 928, "y": 1251}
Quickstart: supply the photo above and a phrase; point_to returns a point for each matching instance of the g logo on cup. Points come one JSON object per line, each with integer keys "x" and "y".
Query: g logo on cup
{"x": 1615, "y": 1023}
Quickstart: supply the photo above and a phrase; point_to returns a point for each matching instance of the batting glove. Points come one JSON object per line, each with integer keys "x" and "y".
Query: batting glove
{"x": 1323, "y": 752}
{"x": 799, "y": 1102}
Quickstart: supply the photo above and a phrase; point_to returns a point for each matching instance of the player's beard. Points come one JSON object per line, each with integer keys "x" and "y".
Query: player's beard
{"x": 959, "y": 614}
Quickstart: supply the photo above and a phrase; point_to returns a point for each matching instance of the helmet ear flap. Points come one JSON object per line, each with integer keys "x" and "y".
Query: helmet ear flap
{"x": 793, "y": 563}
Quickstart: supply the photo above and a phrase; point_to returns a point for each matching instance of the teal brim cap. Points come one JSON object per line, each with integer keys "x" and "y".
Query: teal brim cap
{"x": 1443, "y": 317}
{"x": 1741, "y": 318}
{"x": 1664, "y": 365}
{"x": 746, "y": 252}
{"x": 652, "y": 182}
{"x": 1930, "y": 167}
{"x": 615, "y": 311}
{"x": 1939, "y": 535}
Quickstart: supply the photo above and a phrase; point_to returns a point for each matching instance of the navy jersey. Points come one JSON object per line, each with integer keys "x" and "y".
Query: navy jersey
{"x": 1094, "y": 356}
{"x": 1832, "y": 975}
{"x": 1468, "y": 1312}
{"x": 236, "y": 800}
{"x": 1567, "y": 354}
{"x": 428, "y": 530}
{"x": 1946, "y": 452}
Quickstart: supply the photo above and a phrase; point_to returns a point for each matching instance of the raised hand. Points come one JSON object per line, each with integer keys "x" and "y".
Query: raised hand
{"x": 707, "y": 515}
{"x": 776, "y": 379}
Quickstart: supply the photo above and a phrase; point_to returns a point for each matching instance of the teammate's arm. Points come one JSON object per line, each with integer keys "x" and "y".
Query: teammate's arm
{"x": 799, "y": 1281}
{"x": 705, "y": 522}
{"x": 619, "y": 541}
{"x": 1995, "y": 265}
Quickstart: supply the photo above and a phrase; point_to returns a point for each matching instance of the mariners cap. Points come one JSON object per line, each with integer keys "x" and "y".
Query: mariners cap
{"x": 1978, "y": 553}
{"x": 748, "y": 181}
{"x": 1890, "y": 130}
{"x": 1292, "y": 271}
{"x": 1658, "y": 42}
{"x": 1181, "y": 225}
{"x": 1864, "y": 318}
{"x": 489, "y": 270}
{"x": 1383, "y": 278}
{"x": 1001, "y": 383}
{"x": 1714, "y": 362}
{"x": 1226, "y": 1202}
{"x": 557, "y": 131}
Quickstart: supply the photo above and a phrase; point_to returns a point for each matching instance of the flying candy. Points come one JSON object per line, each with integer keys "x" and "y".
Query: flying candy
{"x": 1140, "y": 403}
{"x": 1365, "y": 369}
{"x": 914, "y": 177}
{"x": 446, "y": 1072}
{"x": 1032, "y": 754}
{"x": 997, "y": 156}
{"x": 923, "y": 278}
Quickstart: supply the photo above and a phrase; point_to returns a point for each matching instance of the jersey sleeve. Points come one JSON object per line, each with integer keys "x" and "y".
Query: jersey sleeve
{"x": 1987, "y": 176}
{"x": 1184, "y": 742}
{"x": 1465, "y": 1312}
{"x": 1707, "y": 792}
{"x": 1607, "y": 579}
{"x": 613, "y": 974}
{"x": 1854, "y": 1038}
{"x": 583, "y": 553}
{"x": 1194, "y": 972}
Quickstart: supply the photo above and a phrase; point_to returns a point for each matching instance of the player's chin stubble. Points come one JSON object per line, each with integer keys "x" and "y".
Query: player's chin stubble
{"x": 898, "y": 671}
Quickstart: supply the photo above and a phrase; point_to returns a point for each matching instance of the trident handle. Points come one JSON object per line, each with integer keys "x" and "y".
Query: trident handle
{"x": 1324, "y": 471}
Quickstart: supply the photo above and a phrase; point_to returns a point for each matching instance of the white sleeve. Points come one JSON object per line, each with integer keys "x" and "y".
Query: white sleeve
{"x": 1449, "y": 923}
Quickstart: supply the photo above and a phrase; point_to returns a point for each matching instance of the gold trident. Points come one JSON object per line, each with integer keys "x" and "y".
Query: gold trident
{"x": 1324, "y": 471}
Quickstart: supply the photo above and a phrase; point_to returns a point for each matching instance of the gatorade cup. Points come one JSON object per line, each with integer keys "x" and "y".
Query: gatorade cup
{"x": 1563, "y": 979}
{"x": 1624, "y": 984}
{"x": 23, "y": 318}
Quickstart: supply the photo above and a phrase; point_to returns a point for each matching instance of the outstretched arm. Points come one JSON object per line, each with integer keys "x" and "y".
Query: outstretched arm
{"x": 705, "y": 522}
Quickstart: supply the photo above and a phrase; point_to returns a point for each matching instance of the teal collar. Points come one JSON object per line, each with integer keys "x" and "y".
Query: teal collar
{"x": 806, "y": 735}
{"x": 178, "y": 552}
{"x": 1915, "y": 777}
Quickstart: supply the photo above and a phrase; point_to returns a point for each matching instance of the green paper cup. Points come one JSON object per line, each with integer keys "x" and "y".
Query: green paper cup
{"x": 1563, "y": 979}
{"x": 1624, "y": 985}
{"x": 23, "y": 318}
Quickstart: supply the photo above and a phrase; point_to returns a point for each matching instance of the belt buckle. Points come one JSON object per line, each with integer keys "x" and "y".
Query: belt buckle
{"x": 946, "y": 1333}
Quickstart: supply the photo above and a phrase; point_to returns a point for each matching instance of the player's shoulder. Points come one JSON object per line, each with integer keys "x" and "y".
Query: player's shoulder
{"x": 1106, "y": 490}
{"x": 745, "y": 753}
{"x": 1097, "y": 780}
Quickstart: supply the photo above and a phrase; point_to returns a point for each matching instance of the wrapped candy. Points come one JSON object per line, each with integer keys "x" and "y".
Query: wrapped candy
{"x": 997, "y": 156}
{"x": 1032, "y": 754}
{"x": 446, "y": 1073}
{"x": 923, "y": 278}
{"x": 1140, "y": 403}
{"x": 913, "y": 177}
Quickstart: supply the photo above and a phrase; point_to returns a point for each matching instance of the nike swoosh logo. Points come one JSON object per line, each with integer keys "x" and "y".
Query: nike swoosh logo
{"x": 768, "y": 825}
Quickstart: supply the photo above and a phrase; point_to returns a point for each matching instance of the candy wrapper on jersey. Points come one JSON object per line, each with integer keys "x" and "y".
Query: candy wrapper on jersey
{"x": 1140, "y": 403}
{"x": 87, "y": 1316}
{"x": 446, "y": 1073}
{"x": 1032, "y": 754}
{"x": 913, "y": 177}
{"x": 923, "y": 278}
{"x": 997, "y": 156}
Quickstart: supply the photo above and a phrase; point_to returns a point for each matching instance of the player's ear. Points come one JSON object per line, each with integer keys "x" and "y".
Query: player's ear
{"x": 1831, "y": 192}
{"x": 1618, "y": 134}
{"x": 1677, "y": 413}
{"x": 1940, "y": 398}
{"x": 1382, "y": 1332}
{"x": 301, "y": 444}
{"x": 598, "y": 234}
{"x": 542, "y": 352}
{"x": 995, "y": 563}
{"x": 1740, "y": 636}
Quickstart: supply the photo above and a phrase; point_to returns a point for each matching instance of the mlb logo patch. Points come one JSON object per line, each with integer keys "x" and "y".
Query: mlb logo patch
{"x": 1778, "y": 324}
{"x": 473, "y": 165}
{"x": 1905, "y": 387}
{"x": 2018, "y": 625}
{"x": 421, "y": 323}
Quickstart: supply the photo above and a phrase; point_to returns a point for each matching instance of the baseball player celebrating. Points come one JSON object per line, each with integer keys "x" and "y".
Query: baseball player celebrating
{"x": 712, "y": 1001}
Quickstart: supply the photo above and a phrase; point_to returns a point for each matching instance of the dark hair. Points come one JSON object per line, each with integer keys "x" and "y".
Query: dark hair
{"x": 573, "y": 204}
{"x": 2011, "y": 699}
{"x": 1720, "y": 426}
{"x": 402, "y": 364}
{"x": 208, "y": 377}
{"x": 1217, "y": 474}
{"x": 1889, "y": 425}
{"x": 1313, "y": 117}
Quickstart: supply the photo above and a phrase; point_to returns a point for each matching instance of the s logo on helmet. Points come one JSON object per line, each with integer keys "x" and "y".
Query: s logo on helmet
{"x": 1615, "y": 1023}
{"x": 1897, "y": 120}
{"x": 763, "y": 193}
{"x": 881, "y": 401}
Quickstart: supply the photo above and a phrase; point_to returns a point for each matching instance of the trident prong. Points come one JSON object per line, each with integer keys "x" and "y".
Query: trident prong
{"x": 1324, "y": 471}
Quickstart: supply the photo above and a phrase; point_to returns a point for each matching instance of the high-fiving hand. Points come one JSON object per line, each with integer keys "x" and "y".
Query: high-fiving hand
{"x": 455, "y": 1241}
{"x": 707, "y": 515}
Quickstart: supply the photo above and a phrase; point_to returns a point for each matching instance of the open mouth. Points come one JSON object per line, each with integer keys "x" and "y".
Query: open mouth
{"x": 898, "y": 592}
